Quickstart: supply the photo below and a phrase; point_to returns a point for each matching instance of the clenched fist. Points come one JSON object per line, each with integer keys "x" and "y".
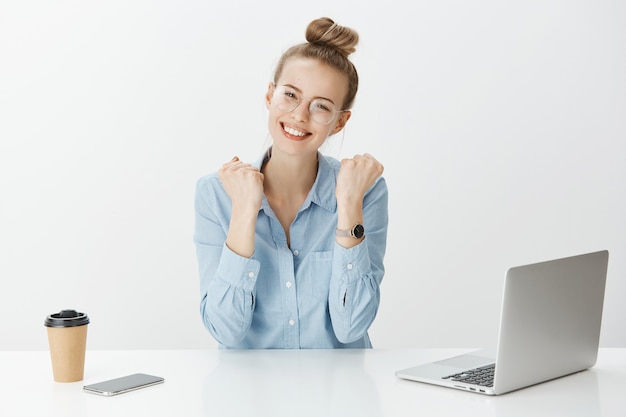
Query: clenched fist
{"x": 243, "y": 184}
{"x": 355, "y": 177}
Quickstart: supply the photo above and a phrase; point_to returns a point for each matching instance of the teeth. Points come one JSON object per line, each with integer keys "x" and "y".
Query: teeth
{"x": 294, "y": 131}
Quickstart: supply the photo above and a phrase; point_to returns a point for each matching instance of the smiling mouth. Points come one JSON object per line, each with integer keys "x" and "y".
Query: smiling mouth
{"x": 294, "y": 133}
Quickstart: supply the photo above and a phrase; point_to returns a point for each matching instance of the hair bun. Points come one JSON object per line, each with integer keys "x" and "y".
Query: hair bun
{"x": 324, "y": 31}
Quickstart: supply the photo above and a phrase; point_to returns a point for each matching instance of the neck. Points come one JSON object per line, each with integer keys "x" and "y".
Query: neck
{"x": 289, "y": 174}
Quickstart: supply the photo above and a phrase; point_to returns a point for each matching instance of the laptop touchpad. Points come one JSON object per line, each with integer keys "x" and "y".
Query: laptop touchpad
{"x": 466, "y": 361}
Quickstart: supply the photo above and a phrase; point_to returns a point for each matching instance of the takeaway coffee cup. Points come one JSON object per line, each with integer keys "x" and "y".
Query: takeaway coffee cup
{"x": 67, "y": 338}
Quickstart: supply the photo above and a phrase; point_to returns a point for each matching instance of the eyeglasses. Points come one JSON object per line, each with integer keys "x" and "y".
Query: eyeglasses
{"x": 322, "y": 111}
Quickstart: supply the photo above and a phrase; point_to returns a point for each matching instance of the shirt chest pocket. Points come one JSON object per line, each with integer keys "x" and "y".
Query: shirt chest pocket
{"x": 313, "y": 275}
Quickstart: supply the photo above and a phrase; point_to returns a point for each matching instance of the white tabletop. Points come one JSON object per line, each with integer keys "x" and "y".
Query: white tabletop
{"x": 278, "y": 383}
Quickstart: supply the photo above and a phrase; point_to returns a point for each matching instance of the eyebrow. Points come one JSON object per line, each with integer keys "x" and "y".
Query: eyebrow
{"x": 312, "y": 98}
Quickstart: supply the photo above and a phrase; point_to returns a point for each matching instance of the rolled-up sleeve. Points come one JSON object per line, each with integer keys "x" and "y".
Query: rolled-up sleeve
{"x": 227, "y": 280}
{"x": 358, "y": 271}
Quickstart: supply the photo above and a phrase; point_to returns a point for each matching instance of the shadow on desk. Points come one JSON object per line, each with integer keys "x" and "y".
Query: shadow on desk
{"x": 578, "y": 397}
{"x": 288, "y": 382}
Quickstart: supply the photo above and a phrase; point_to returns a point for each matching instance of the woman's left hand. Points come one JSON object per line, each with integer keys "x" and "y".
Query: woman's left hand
{"x": 355, "y": 177}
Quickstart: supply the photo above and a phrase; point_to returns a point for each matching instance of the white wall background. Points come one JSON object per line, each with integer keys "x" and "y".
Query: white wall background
{"x": 502, "y": 126}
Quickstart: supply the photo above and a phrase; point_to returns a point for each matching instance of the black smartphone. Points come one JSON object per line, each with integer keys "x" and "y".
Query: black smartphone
{"x": 123, "y": 384}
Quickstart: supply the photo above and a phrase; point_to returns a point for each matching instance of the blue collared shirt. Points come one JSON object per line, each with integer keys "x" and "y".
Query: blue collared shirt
{"x": 311, "y": 294}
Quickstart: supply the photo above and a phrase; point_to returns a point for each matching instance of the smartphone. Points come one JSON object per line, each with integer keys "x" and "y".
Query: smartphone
{"x": 123, "y": 384}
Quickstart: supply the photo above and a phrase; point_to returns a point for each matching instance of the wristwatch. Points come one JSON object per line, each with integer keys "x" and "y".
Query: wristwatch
{"x": 357, "y": 232}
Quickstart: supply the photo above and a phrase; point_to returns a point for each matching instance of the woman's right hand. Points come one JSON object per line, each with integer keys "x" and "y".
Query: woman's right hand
{"x": 243, "y": 184}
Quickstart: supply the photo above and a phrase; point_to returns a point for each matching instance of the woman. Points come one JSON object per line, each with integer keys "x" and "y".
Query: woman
{"x": 290, "y": 248}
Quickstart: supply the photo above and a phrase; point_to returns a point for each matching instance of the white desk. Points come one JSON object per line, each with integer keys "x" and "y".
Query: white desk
{"x": 318, "y": 383}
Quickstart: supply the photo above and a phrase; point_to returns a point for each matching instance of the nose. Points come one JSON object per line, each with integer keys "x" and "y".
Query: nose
{"x": 301, "y": 112}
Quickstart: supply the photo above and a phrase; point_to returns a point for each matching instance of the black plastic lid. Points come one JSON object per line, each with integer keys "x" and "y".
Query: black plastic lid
{"x": 66, "y": 318}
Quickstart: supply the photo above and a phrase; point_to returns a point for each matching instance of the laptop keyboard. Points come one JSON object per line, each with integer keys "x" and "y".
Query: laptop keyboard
{"x": 482, "y": 376}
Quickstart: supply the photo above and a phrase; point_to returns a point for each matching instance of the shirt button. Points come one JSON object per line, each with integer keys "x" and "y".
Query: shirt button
{"x": 296, "y": 252}
{"x": 291, "y": 322}
{"x": 349, "y": 266}
{"x": 288, "y": 284}
{"x": 250, "y": 274}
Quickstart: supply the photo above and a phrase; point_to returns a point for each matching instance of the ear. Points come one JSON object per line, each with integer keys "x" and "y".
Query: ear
{"x": 341, "y": 121}
{"x": 268, "y": 95}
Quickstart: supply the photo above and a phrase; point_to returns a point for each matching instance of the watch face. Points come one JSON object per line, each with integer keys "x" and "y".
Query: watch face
{"x": 358, "y": 231}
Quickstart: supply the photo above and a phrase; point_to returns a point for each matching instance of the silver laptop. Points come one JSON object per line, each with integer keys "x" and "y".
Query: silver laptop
{"x": 549, "y": 327}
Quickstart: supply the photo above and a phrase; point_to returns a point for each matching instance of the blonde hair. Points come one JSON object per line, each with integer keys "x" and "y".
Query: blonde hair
{"x": 331, "y": 44}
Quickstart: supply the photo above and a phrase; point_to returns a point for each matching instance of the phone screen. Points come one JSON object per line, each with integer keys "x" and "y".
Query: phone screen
{"x": 123, "y": 384}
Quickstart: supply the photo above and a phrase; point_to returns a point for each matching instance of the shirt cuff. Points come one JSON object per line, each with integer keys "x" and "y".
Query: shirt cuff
{"x": 353, "y": 262}
{"x": 238, "y": 271}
